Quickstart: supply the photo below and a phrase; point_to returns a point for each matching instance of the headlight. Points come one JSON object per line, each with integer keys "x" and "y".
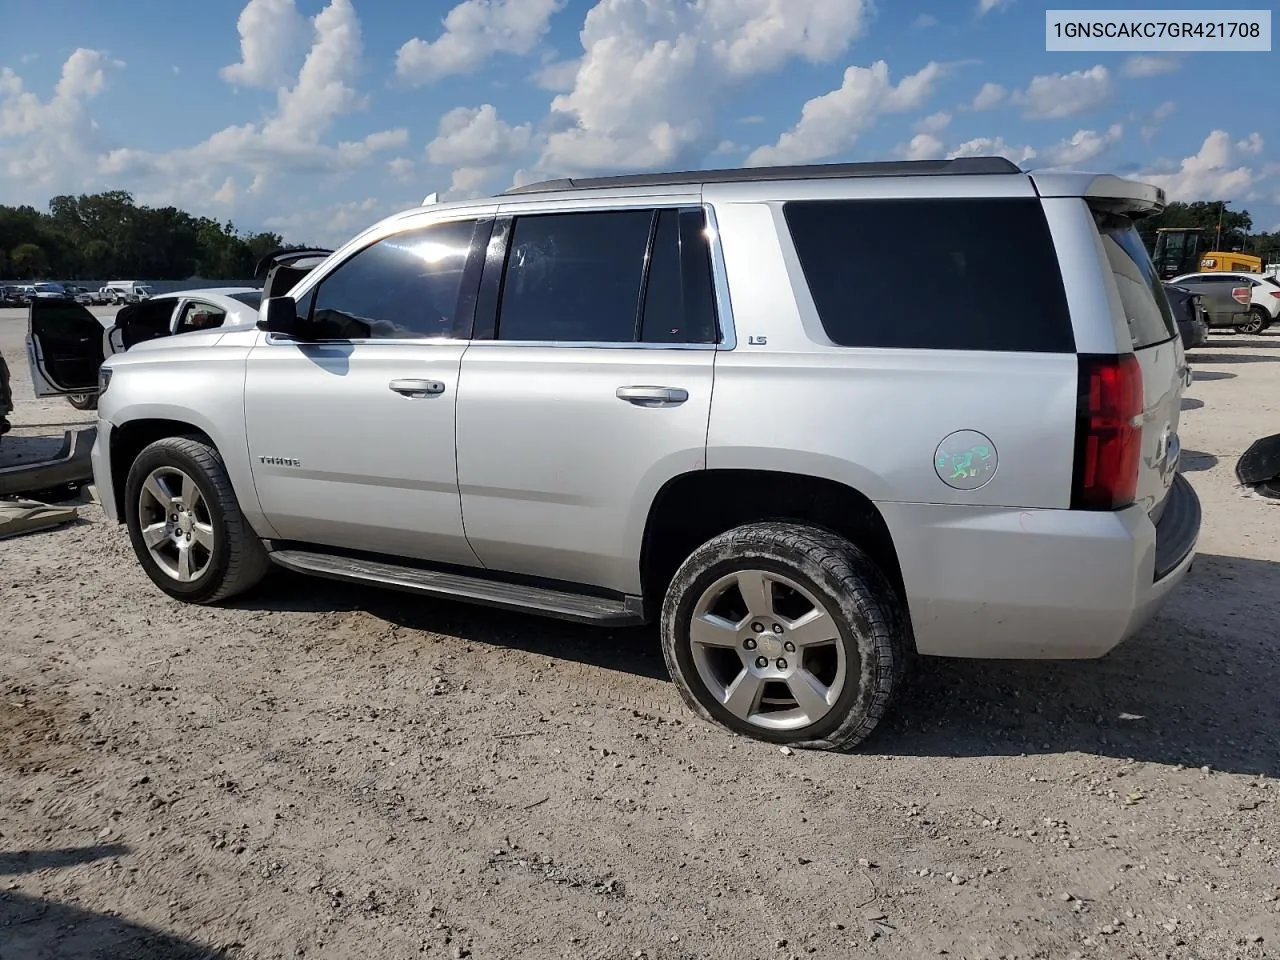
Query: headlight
{"x": 104, "y": 379}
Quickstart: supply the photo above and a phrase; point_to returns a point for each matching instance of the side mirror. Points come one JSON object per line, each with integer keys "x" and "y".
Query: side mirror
{"x": 280, "y": 315}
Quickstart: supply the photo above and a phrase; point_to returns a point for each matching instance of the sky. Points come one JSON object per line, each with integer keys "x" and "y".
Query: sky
{"x": 316, "y": 118}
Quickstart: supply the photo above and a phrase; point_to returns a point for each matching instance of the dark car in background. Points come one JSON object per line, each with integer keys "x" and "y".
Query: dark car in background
{"x": 1189, "y": 312}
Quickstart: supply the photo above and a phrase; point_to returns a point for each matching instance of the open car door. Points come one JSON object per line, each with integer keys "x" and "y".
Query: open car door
{"x": 280, "y": 270}
{"x": 64, "y": 347}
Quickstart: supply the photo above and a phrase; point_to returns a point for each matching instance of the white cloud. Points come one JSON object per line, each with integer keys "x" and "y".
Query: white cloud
{"x": 336, "y": 224}
{"x": 477, "y": 137}
{"x": 474, "y": 31}
{"x": 923, "y": 146}
{"x": 467, "y": 183}
{"x": 558, "y": 75}
{"x": 832, "y": 122}
{"x": 47, "y": 143}
{"x": 987, "y": 147}
{"x": 991, "y": 95}
{"x": 273, "y": 38}
{"x": 1147, "y": 65}
{"x": 924, "y": 21}
{"x": 1066, "y": 94}
{"x": 1212, "y": 173}
{"x": 753, "y": 118}
{"x": 290, "y": 139}
{"x": 986, "y": 6}
{"x": 1251, "y": 144}
{"x": 1082, "y": 146}
{"x": 401, "y": 169}
{"x": 654, "y": 72}
{"x": 934, "y": 123}
{"x": 1158, "y": 116}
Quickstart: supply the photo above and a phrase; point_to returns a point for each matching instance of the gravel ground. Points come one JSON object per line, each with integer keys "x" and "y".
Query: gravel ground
{"x": 324, "y": 771}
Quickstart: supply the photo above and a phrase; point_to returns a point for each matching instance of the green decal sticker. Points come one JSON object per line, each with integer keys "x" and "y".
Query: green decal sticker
{"x": 965, "y": 460}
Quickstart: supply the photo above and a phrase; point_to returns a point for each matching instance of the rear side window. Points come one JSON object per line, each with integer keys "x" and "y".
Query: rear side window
{"x": 947, "y": 274}
{"x": 1146, "y": 308}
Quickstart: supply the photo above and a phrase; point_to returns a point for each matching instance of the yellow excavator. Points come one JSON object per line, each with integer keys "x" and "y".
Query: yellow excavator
{"x": 1182, "y": 250}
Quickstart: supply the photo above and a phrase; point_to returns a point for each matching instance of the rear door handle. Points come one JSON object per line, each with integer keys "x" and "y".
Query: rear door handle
{"x": 653, "y": 396}
{"x": 417, "y": 388}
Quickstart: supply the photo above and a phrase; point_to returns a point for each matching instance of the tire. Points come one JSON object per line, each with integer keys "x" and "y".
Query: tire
{"x": 866, "y": 631}
{"x": 83, "y": 401}
{"x": 224, "y": 555}
{"x": 1259, "y": 320}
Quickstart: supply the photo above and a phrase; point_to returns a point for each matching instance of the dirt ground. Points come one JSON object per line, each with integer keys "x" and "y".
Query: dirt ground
{"x": 324, "y": 771}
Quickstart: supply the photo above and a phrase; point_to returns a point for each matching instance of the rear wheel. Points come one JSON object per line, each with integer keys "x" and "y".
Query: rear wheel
{"x": 83, "y": 401}
{"x": 785, "y": 633}
{"x": 1259, "y": 320}
{"x": 185, "y": 523}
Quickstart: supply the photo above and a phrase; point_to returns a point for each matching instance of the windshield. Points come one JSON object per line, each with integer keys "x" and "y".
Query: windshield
{"x": 253, "y": 298}
{"x": 49, "y": 288}
{"x": 144, "y": 290}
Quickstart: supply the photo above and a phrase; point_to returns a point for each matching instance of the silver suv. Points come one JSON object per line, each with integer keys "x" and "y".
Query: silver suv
{"x": 812, "y": 421}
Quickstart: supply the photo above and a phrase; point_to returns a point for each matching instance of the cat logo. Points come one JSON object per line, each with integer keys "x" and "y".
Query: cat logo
{"x": 281, "y": 461}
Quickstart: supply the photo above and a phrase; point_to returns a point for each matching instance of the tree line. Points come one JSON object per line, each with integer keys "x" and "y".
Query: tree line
{"x": 107, "y": 235}
{"x": 104, "y": 235}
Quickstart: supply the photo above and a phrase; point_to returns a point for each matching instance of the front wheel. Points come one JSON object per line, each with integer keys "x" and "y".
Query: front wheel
{"x": 186, "y": 526}
{"x": 83, "y": 401}
{"x": 785, "y": 633}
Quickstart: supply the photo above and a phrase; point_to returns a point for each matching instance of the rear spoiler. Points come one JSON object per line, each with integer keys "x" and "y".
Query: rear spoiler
{"x": 1133, "y": 198}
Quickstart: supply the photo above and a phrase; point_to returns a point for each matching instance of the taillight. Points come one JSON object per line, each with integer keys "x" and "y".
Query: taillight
{"x": 1275, "y": 293}
{"x": 1108, "y": 433}
{"x": 1241, "y": 294}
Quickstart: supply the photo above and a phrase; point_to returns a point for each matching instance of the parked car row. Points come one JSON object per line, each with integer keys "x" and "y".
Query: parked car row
{"x": 116, "y": 292}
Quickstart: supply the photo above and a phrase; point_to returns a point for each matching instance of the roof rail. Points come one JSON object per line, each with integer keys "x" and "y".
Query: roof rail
{"x": 961, "y": 166}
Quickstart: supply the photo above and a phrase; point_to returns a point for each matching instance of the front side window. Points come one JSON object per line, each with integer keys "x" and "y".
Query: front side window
{"x": 408, "y": 286}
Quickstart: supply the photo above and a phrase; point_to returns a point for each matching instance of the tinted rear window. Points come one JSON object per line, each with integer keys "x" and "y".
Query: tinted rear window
{"x": 1146, "y": 307}
{"x": 253, "y": 299}
{"x": 954, "y": 274}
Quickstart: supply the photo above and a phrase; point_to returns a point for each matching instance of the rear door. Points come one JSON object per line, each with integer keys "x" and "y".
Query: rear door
{"x": 1158, "y": 348}
{"x": 64, "y": 347}
{"x": 1215, "y": 296}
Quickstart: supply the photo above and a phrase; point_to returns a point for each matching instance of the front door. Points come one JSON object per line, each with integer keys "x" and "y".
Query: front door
{"x": 592, "y": 390}
{"x": 351, "y": 437}
{"x": 64, "y": 347}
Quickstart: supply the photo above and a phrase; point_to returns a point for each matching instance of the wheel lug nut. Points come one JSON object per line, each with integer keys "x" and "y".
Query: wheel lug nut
{"x": 749, "y": 643}
{"x": 789, "y": 647}
{"x": 782, "y": 664}
{"x": 758, "y": 627}
{"x": 777, "y": 628}
{"x": 761, "y": 662}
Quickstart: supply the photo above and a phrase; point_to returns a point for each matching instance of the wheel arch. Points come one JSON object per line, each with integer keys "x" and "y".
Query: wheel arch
{"x": 693, "y": 507}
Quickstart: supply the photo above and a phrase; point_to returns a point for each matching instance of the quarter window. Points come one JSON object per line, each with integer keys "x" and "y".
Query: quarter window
{"x": 408, "y": 286}
{"x": 679, "y": 302}
{"x": 942, "y": 274}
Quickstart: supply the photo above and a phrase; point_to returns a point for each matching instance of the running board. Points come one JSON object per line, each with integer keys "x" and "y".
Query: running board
{"x": 601, "y": 611}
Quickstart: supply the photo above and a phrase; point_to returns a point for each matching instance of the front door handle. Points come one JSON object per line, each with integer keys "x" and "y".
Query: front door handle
{"x": 417, "y": 388}
{"x": 653, "y": 396}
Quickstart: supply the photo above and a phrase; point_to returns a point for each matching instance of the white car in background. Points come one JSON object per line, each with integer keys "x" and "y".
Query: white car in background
{"x": 1264, "y": 294}
{"x": 69, "y": 329}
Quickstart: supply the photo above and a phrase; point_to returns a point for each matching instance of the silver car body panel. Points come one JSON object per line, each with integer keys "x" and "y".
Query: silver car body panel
{"x": 554, "y": 474}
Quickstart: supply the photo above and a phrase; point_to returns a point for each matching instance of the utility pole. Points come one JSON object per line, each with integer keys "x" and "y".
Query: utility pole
{"x": 1217, "y": 245}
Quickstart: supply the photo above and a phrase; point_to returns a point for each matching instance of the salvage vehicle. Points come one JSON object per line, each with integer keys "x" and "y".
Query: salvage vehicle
{"x": 509, "y": 401}
{"x": 1261, "y": 298}
{"x": 58, "y": 327}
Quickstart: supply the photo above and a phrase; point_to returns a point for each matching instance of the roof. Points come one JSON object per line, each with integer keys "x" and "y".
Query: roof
{"x": 964, "y": 166}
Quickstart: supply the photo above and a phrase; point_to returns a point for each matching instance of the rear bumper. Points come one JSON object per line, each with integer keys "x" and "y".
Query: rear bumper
{"x": 101, "y": 460}
{"x": 1038, "y": 584}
